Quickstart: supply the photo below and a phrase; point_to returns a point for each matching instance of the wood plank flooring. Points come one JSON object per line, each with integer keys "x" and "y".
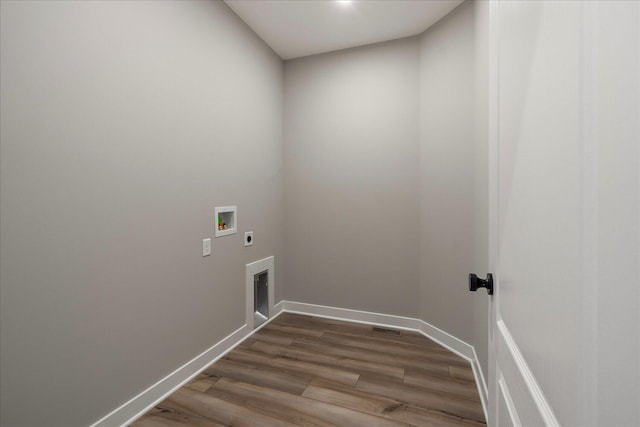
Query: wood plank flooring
{"x": 307, "y": 371}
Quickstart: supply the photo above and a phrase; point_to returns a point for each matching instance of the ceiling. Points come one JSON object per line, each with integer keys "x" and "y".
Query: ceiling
{"x": 295, "y": 28}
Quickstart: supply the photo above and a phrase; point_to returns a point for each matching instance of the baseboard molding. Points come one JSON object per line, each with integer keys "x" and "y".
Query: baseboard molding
{"x": 351, "y": 315}
{"x": 483, "y": 391}
{"x": 143, "y": 402}
{"x": 434, "y": 333}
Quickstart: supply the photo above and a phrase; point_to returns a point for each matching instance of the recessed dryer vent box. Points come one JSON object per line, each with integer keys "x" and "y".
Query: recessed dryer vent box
{"x": 226, "y": 221}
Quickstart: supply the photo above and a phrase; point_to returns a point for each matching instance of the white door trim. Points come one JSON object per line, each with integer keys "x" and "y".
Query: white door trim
{"x": 265, "y": 264}
{"x": 536, "y": 397}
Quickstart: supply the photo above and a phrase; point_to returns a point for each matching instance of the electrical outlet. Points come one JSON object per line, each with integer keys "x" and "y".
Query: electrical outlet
{"x": 248, "y": 238}
{"x": 206, "y": 247}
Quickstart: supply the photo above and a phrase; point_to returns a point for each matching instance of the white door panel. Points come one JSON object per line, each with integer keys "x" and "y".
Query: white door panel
{"x": 564, "y": 213}
{"x": 507, "y": 413}
{"x": 538, "y": 200}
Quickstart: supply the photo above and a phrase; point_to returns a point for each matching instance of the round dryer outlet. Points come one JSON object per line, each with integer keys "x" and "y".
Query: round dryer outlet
{"x": 248, "y": 238}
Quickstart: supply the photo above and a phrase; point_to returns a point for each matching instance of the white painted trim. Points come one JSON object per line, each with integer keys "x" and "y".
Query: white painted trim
{"x": 233, "y": 229}
{"x": 494, "y": 208}
{"x": 351, "y": 315}
{"x": 128, "y": 412}
{"x": 443, "y": 338}
{"x": 137, "y": 406}
{"x": 447, "y": 340}
{"x": 265, "y": 264}
{"x": 158, "y": 391}
{"x": 481, "y": 384}
{"x": 529, "y": 379}
{"x": 508, "y": 400}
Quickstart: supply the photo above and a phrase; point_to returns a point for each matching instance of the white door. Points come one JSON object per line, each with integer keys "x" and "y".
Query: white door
{"x": 564, "y": 217}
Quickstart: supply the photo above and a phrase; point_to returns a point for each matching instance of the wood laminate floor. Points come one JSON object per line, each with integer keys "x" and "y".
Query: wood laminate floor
{"x": 308, "y": 371}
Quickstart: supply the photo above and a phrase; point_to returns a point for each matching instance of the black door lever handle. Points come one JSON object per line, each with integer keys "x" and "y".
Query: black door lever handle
{"x": 475, "y": 283}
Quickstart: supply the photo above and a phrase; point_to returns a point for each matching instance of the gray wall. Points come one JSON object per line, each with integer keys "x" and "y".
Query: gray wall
{"x": 386, "y": 176}
{"x": 453, "y": 174}
{"x": 123, "y": 125}
{"x": 351, "y": 178}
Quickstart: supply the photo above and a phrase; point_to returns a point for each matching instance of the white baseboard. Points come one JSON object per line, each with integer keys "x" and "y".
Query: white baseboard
{"x": 143, "y": 402}
{"x": 351, "y": 315}
{"x": 443, "y": 338}
{"x": 462, "y": 349}
{"x": 481, "y": 383}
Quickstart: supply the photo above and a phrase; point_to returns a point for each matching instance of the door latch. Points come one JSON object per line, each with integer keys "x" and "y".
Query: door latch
{"x": 475, "y": 283}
